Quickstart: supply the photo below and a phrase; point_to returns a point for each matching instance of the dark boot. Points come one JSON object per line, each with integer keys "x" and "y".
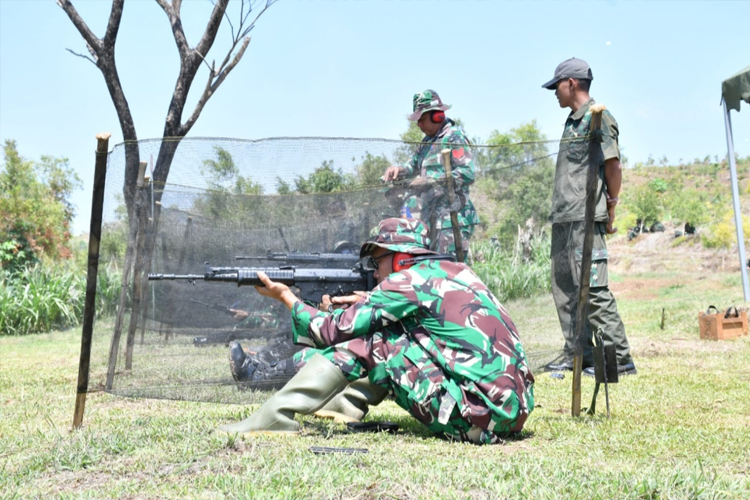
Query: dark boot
{"x": 308, "y": 391}
{"x": 251, "y": 369}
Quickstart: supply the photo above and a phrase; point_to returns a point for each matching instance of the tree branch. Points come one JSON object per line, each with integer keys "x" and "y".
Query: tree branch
{"x": 83, "y": 56}
{"x": 217, "y": 76}
{"x": 207, "y": 40}
{"x": 113, "y": 25}
{"x": 94, "y": 43}
{"x": 211, "y": 87}
{"x": 173, "y": 13}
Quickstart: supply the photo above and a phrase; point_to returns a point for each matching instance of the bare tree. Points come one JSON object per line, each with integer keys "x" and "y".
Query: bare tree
{"x": 102, "y": 55}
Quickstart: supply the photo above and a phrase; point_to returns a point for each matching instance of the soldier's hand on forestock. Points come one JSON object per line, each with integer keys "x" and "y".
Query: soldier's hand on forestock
{"x": 239, "y": 314}
{"x": 274, "y": 290}
{"x": 392, "y": 173}
{"x": 610, "y": 223}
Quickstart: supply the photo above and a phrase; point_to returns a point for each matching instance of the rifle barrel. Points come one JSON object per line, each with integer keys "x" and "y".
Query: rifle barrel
{"x": 159, "y": 276}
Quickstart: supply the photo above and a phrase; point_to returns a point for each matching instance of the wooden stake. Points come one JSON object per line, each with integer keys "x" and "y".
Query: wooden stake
{"x": 662, "y": 317}
{"x": 588, "y": 247}
{"x": 446, "y": 156}
{"x": 89, "y": 308}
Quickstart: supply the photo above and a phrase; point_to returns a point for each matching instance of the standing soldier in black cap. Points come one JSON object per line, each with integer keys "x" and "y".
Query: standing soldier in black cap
{"x": 571, "y": 84}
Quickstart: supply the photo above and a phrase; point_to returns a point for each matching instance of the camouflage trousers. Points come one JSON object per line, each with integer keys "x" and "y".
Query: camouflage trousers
{"x": 398, "y": 362}
{"x": 445, "y": 241}
{"x": 567, "y": 253}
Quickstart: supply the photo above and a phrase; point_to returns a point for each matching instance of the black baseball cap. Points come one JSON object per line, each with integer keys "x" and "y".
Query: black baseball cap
{"x": 570, "y": 68}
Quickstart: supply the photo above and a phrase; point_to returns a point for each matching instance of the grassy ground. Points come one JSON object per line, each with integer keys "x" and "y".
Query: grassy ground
{"x": 679, "y": 429}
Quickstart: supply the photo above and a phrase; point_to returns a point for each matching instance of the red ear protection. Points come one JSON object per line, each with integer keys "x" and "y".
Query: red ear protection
{"x": 437, "y": 116}
{"x": 399, "y": 257}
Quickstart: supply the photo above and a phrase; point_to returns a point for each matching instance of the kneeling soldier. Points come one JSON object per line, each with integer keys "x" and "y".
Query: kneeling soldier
{"x": 430, "y": 333}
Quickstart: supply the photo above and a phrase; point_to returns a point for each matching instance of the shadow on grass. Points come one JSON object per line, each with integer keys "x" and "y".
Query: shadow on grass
{"x": 409, "y": 427}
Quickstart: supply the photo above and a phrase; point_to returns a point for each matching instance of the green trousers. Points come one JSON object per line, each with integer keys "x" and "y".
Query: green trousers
{"x": 567, "y": 253}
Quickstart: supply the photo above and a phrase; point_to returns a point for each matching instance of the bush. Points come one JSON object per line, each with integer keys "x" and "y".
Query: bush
{"x": 723, "y": 234}
{"x": 41, "y": 298}
{"x": 509, "y": 277}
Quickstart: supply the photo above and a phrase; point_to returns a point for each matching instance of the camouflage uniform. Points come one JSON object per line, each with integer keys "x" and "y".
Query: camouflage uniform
{"x": 432, "y": 203}
{"x": 436, "y": 337}
{"x": 567, "y": 218}
{"x": 266, "y": 318}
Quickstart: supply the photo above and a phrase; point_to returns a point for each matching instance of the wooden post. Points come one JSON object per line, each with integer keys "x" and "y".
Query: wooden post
{"x": 663, "y": 314}
{"x": 588, "y": 247}
{"x": 446, "y": 156}
{"x": 144, "y": 278}
{"x": 185, "y": 240}
{"x": 142, "y": 217}
{"x": 95, "y": 234}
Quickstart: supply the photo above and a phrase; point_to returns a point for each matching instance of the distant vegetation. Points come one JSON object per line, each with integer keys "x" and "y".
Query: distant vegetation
{"x": 42, "y": 270}
{"x": 698, "y": 193}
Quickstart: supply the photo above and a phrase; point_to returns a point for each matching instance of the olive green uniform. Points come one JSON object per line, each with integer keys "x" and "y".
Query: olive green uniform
{"x": 567, "y": 218}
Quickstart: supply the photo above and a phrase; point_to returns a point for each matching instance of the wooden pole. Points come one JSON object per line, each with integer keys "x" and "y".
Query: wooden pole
{"x": 446, "y": 156}
{"x": 138, "y": 263}
{"x": 588, "y": 247}
{"x": 89, "y": 308}
{"x": 186, "y": 240}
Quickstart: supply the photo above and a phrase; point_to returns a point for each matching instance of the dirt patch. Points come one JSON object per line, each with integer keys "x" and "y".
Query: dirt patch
{"x": 679, "y": 346}
{"x": 650, "y": 252}
{"x": 641, "y": 288}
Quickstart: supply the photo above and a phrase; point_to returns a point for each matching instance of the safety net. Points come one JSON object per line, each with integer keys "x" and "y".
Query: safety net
{"x": 297, "y": 207}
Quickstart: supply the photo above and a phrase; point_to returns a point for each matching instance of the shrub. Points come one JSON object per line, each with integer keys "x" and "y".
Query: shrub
{"x": 42, "y": 298}
{"x": 507, "y": 276}
{"x": 723, "y": 234}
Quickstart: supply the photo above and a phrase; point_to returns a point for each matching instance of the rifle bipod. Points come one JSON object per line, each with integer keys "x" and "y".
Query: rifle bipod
{"x": 605, "y": 369}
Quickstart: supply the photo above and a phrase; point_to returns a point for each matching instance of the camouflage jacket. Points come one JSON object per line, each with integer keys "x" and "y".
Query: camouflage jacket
{"x": 426, "y": 163}
{"x": 469, "y": 337}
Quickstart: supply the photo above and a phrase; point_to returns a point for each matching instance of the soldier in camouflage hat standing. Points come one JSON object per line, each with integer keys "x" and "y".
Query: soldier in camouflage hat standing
{"x": 427, "y": 199}
{"x": 571, "y": 84}
{"x": 430, "y": 333}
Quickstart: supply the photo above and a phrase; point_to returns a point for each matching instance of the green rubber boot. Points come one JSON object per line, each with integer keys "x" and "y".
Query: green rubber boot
{"x": 309, "y": 390}
{"x": 352, "y": 404}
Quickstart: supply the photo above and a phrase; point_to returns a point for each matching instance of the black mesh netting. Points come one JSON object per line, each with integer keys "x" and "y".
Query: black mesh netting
{"x": 264, "y": 200}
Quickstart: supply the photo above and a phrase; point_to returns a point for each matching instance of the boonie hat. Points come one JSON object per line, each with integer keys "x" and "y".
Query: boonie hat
{"x": 429, "y": 100}
{"x": 570, "y": 68}
{"x": 399, "y": 235}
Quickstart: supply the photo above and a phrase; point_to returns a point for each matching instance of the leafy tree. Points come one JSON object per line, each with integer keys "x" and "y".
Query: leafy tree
{"x": 411, "y": 136}
{"x": 35, "y": 210}
{"x": 647, "y": 201}
{"x": 689, "y": 205}
{"x": 513, "y": 150}
{"x": 223, "y": 175}
{"x": 283, "y": 187}
{"x": 324, "y": 179}
{"x": 516, "y": 180}
{"x": 371, "y": 170}
{"x": 225, "y": 197}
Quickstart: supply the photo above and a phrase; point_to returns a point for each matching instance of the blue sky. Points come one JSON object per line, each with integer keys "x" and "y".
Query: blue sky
{"x": 350, "y": 68}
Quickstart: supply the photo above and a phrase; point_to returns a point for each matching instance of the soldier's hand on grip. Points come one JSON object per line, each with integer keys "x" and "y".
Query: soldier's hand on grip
{"x": 392, "y": 173}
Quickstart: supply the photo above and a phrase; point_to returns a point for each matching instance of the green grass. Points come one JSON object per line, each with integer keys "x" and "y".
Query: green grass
{"x": 679, "y": 429}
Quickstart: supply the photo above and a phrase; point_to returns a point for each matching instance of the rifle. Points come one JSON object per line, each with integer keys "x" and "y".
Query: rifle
{"x": 216, "y": 306}
{"x": 228, "y": 310}
{"x": 339, "y": 259}
{"x": 312, "y": 283}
